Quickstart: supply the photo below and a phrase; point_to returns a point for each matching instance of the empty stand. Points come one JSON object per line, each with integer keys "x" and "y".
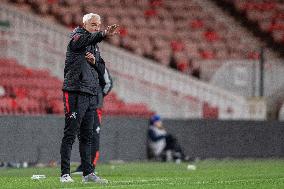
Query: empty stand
{"x": 178, "y": 32}
{"x": 36, "y": 44}
{"x": 29, "y": 91}
{"x": 268, "y": 14}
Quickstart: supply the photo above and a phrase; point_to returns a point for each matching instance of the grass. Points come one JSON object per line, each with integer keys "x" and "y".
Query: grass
{"x": 213, "y": 174}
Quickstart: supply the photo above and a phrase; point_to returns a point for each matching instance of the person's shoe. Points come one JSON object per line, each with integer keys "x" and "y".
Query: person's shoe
{"x": 66, "y": 178}
{"x": 178, "y": 161}
{"x": 93, "y": 178}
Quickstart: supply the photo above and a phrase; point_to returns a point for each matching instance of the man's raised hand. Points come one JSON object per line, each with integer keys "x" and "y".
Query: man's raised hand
{"x": 112, "y": 30}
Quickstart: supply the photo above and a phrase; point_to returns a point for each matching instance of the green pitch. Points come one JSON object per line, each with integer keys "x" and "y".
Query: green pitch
{"x": 213, "y": 174}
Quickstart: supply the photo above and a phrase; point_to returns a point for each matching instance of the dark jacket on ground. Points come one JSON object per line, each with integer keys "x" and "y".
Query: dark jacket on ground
{"x": 79, "y": 75}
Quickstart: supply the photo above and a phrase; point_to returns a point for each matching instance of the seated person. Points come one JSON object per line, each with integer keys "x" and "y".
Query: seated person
{"x": 160, "y": 144}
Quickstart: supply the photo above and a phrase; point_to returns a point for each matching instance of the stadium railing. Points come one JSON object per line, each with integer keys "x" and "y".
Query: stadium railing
{"x": 38, "y": 44}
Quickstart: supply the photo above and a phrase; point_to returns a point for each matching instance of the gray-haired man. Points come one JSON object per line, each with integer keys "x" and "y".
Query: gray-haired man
{"x": 80, "y": 88}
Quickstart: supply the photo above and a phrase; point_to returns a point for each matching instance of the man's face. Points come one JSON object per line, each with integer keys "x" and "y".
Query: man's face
{"x": 159, "y": 124}
{"x": 92, "y": 25}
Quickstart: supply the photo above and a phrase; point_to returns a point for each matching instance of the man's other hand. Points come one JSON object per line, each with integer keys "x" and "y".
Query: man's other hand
{"x": 90, "y": 58}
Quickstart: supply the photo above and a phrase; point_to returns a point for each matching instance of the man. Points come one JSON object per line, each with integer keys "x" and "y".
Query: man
{"x": 105, "y": 81}
{"x": 161, "y": 144}
{"x": 80, "y": 89}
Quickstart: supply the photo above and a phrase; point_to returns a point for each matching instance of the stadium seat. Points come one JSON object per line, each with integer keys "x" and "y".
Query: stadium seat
{"x": 210, "y": 112}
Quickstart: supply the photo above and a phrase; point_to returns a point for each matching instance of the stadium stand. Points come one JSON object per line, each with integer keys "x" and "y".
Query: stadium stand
{"x": 29, "y": 91}
{"x": 263, "y": 18}
{"x": 268, "y": 14}
{"x": 158, "y": 29}
{"x": 163, "y": 90}
{"x": 26, "y": 90}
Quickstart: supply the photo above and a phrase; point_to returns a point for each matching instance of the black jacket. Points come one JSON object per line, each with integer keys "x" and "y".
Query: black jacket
{"x": 79, "y": 75}
{"x": 105, "y": 81}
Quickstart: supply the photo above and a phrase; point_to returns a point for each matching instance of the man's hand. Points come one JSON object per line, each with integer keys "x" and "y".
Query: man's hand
{"x": 111, "y": 30}
{"x": 90, "y": 58}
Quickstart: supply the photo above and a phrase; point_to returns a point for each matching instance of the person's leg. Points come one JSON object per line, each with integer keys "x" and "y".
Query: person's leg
{"x": 79, "y": 169}
{"x": 95, "y": 141}
{"x": 95, "y": 151}
{"x": 175, "y": 147}
{"x": 88, "y": 169}
{"x": 172, "y": 149}
{"x": 96, "y": 137}
{"x": 73, "y": 117}
{"x": 170, "y": 142}
{"x": 85, "y": 143}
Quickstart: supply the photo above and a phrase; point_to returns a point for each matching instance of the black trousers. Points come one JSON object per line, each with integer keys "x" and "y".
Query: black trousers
{"x": 80, "y": 116}
{"x": 95, "y": 140}
{"x": 173, "y": 145}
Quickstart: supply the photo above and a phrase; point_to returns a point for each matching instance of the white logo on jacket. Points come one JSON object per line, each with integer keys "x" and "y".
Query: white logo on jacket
{"x": 73, "y": 115}
{"x": 98, "y": 130}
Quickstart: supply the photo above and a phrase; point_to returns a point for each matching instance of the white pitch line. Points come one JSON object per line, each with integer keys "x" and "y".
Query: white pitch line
{"x": 174, "y": 183}
{"x": 119, "y": 186}
{"x": 142, "y": 180}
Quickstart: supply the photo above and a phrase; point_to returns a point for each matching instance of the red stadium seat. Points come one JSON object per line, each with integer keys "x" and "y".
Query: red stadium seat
{"x": 210, "y": 112}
